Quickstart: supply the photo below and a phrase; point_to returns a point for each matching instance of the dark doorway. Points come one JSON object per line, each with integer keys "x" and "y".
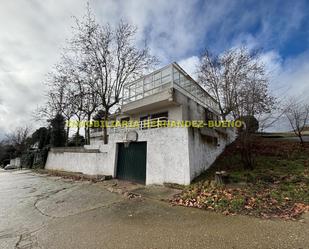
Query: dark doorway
{"x": 131, "y": 163}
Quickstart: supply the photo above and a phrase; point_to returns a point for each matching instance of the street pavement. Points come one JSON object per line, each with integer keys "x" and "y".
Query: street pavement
{"x": 40, "y": 211}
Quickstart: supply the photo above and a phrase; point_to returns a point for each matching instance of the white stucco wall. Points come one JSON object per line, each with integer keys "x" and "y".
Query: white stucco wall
{"x": 86, "y": 163}
{"x": 167, "y": 158}
{"x": 174, "y": 155}
{"x": 202, "y": 153}
{"x": 167, "y": 155}
{"x": 174, "y": 112}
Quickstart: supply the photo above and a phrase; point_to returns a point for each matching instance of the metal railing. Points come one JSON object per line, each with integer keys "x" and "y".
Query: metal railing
{"x": 167, "y": 77}
{"x": 133, "y": 125}
{"x": 150, "y": 84}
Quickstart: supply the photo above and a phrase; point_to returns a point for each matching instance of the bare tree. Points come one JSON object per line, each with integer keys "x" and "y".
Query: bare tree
{"x": 18, "y": 139}
{"x": 297, "y": 113}
{"x": 96, "y": 64}
{"x": 111, "y": 56}
{"x": 69, "y": 93}
{"x": 91, "y": 103}
{"x": 61, "y": 99}
{"x": 76, "y": 87}
{"x": 86, "y": 102}
{"x": 237, "y": 80}
{"x": 85, "y": 94}
{"x": 269, "y": 119}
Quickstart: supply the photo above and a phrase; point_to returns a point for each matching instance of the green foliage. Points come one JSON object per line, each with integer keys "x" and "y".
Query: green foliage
{"x": 252, "y": 124}
{"x": 276, "y": 187}
{"x": 26, "y": 159}
{"x": 40, "y": 158}
{"x": 41, "y": 136}
{"x": 76, "y": 140}
{"x": 34, "y": 158}
{"x": 237, "y": 203}
{"x": 58, "y": 134}
{"x": 7, "y": 151}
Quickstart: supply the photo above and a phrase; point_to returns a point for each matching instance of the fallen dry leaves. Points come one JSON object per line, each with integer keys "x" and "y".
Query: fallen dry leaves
{"x": 231, "y": 200}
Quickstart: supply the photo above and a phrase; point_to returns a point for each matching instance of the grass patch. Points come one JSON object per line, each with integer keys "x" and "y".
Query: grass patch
{"x": 277, "y": 187}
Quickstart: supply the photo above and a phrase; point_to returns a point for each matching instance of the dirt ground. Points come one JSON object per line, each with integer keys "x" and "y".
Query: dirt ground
{"x": 39, "y": 211}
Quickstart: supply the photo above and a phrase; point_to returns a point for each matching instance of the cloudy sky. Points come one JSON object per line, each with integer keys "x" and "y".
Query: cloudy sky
{"x": 33, "y": 33}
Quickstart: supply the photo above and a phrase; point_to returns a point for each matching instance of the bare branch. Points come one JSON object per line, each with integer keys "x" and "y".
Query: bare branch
{"x": 297, "y": 113}
{"x": 237, "y": 80}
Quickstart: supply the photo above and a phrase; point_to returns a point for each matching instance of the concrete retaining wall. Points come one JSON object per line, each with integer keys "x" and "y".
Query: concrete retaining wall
{"x": 91, "y": 163}
{"x": 167, "y": 157}
{"x": 174, "y": 155}
{"x": 204, "y": 152}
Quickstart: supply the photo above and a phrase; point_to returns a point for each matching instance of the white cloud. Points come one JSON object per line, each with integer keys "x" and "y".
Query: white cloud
{"x": 295, "y": 75}
{"x": 190, "y": 65}
{"x": 288, "y": 78}
{"x": 33, "y": 33}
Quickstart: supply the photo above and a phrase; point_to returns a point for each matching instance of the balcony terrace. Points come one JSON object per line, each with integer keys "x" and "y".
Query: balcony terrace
{"x": 168, "y": 77}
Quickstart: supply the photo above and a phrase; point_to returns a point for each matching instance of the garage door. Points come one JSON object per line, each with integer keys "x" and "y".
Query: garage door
{"x": 131, "y": 163}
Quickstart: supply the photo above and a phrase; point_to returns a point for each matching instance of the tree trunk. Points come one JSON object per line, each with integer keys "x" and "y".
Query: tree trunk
{"x": 78, "y": 129}
{"x": 301, "y": 138}
{"x": 86, "y": 134}
{"x": 77, "y": 132}
{"x": 105, "y": 138}
{"x": 87, "y": 130}
{"x": 221, "y": 177}
{"x": 67, "y": 134}
{"x": 246, "y": 150}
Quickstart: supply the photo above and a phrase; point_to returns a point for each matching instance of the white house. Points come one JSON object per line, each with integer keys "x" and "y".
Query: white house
{"x": 157, "y": 154}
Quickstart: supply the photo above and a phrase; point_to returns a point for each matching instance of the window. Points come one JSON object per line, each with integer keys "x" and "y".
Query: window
{"x": 156, "y": 117}
{"x": 161, "y": 115}
{"x": 143, "y": 122}
{"x": 126, "y": 119}
{"x": 151, "y": 121}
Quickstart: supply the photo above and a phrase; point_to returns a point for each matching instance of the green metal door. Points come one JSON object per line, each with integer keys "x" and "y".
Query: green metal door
{"x": 131, "y": 163}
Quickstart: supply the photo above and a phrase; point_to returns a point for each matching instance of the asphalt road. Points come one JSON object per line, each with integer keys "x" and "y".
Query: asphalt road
{"x": 46, "y": 212}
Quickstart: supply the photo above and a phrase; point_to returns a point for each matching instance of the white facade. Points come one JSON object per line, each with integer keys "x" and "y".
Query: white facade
{"x": 174, "y": 155}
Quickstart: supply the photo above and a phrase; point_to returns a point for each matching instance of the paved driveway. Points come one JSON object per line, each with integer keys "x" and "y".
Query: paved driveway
{"x": 47, "y": 212}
